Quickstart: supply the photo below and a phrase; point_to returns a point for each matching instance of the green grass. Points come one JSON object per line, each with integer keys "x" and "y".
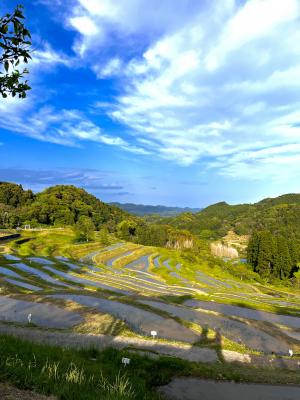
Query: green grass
{"x": 52, "y": 242}
{"x": 73, "y": 374}
{"x": 93, "y": 375}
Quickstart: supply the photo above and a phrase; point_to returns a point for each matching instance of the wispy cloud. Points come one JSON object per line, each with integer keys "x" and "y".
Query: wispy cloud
{"x": 90, "y": 179}
{"x": 218, "y": 86}
{"x": 64, "y": 127}
{"x": 216, "y": 83}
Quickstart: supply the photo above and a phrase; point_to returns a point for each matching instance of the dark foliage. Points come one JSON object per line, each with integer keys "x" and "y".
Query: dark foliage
{"x": 15, "y": 43}
{"x": 64, "y": 205}
{"x": 273, "y": 256}
{"x": 59, "y": 205}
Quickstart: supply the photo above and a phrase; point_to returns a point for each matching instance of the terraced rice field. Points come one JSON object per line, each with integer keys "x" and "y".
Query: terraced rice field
{"x": 139, "y": 289}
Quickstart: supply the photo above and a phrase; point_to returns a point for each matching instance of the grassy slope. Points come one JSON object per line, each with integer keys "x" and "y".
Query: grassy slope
{"x": 93, "y": 375}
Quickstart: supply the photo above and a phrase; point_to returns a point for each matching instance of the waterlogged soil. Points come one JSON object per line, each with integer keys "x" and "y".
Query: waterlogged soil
{"x": 39, "y": 274}
{"x": 140, "y": 264}
{"x": 177, "y": 276}
{"x": 9, "y": 272}
{"x": 146, "y": 276}
{"x": 134, "y": 285}
{"x": 226, "y": 309}
{"x": 234, "y": 330}
{"x": 167, "y": 264}
{"x": 83, "y": 281}
{"x": 90, "y": 256}
{"x": 23, "y": 285}
{"x": 196, "y": 389}
{"x": 43, "y": 314}
{"x": 110, "y": 262}
{"x": 61, "y": 258}
{"x": 156, "y": 261}
{"x": 293, "y": 334}
{"x": 40, "y": 260}
{"x": 138, "y": 319}
{"x": 211, "y": 281}
{"x": 11, "y": 257}
{"x": 71, "y": 265}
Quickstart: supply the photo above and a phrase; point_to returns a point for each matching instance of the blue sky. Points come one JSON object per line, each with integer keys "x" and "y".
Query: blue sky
{"x": 159, "y": 101}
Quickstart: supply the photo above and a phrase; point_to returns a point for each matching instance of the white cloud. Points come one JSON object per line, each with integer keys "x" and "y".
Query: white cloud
{"x": 120, "y": 19}
{"x": 215, "y": 82}
{"x": 46, "y": 56}
{"x": 84, "y": 25}
{"x": 111, "y": 68}
{"x": 186, "y": 112}
{"x": 278, "y": 163}
{"x": 64, "y": 127}
{"x": 257, "y": 19}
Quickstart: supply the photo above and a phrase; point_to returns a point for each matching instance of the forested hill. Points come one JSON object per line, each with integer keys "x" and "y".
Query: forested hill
{"x": 57, "y": 205}
{"x": 163, "y": 211}
{"x": 280, "y": 215}
{"x": 64, "y": 205}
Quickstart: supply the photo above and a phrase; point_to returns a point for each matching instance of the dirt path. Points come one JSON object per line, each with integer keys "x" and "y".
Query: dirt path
{"x": 8, "y": 392}
{"x": 196, "y": 389}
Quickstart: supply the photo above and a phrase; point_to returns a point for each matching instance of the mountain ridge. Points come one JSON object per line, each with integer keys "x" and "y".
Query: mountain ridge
{"x": 145, "y": 209}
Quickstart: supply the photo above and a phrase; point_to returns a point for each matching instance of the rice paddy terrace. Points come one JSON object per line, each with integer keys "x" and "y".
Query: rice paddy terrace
{"x": 128, "y": 290}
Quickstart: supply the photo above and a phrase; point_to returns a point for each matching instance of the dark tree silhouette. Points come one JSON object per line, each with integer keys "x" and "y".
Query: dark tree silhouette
{"x": 15, "y": 44}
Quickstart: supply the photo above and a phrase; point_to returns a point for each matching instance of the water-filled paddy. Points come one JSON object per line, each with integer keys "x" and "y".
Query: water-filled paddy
{"x": 110, "y": 262}
{"x": 234, "y": 330}
{"x": 46, "y": 315}
{"x": 137, "y": 318}
{"x": 9, "y": 272}
{"x": 39, "y": 274}
{"x": 83, "y": 281}
{"x": 40, "y": 260}
{"x": 248, "y": 313}
{"x": 140, "y": 264}
{"x": 11, "y": 257}
{"x": 23, "y": 285}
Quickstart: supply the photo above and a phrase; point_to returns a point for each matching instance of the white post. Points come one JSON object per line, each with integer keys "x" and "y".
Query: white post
{"x": 125, "y": 361}
{"x": 153, "y": 334}
{"x": 291, "y": 353}
{"x": 29, "y": 317}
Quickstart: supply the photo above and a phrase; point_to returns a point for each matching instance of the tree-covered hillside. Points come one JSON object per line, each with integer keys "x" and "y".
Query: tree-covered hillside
{"x": 272, "y": 224}
{"x": 58, "y": 205}
{"x": 280, "y": 215}
{"x": 64, "y": 205}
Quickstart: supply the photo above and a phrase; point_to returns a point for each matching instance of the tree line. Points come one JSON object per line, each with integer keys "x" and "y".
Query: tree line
{"x": 273, "y": 256}
{"x": 67, "y": 205}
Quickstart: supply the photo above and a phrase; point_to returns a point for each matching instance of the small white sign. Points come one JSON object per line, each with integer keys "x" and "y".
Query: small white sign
{"x": 29, "y": 318}
{"x": 291, "y": 353}
{"x": 153, "y": 334}
{"x": 125, "y": 361}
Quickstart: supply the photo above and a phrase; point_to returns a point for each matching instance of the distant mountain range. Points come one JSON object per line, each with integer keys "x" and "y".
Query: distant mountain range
{"x": 163, "y": 211}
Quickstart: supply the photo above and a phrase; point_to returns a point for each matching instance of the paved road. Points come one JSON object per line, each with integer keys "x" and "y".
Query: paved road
{"x": 196, "y": 389}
